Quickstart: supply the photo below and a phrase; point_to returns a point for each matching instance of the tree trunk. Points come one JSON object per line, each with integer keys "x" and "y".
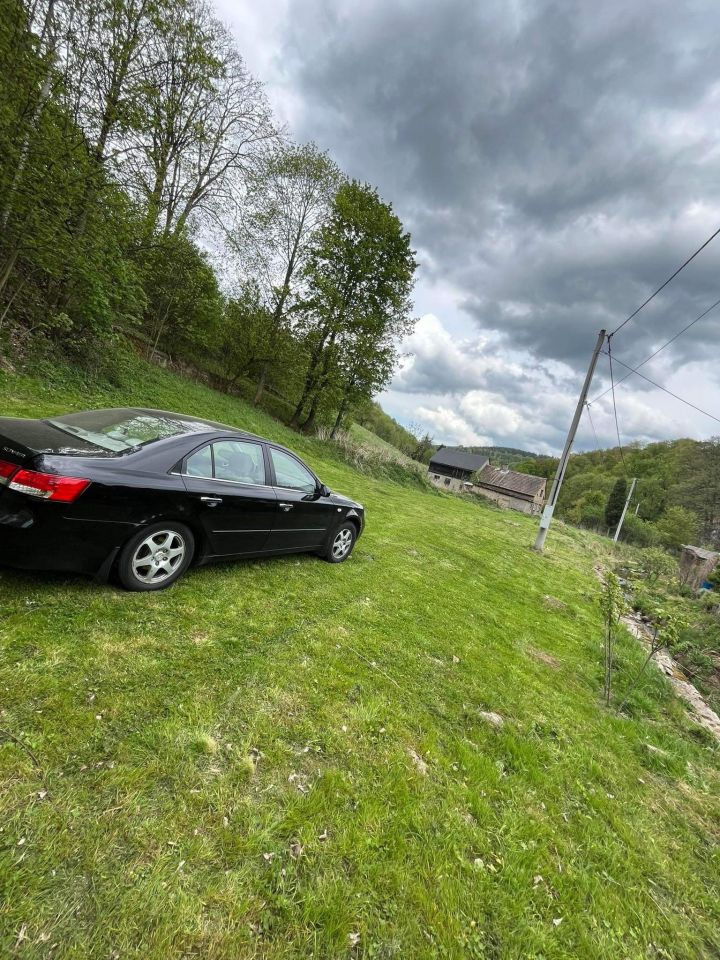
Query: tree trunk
{"x": 8, "y": 268}
{"x": 320, "y": 383}
{"x": 340, "y": 417}
{"x": 310, "y": 420}
{"x": 261, "y": 383}
{"x": 295, "y": 419}
{"x": 310, "y": 379}
{"x": 6, "y": 311}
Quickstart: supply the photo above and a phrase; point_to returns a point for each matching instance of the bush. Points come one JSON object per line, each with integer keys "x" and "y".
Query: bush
{"x": 640, "y": 532}
{"x": 656, "y": 564}
{"x": 677, "y": 526}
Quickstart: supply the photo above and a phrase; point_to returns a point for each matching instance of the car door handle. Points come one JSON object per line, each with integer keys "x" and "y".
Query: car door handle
{"x": 285, "y": 506}
{"x": 211, "y": 501}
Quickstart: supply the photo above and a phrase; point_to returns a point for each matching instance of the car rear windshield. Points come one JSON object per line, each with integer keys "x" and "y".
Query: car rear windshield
{"x": 121, "y": 431}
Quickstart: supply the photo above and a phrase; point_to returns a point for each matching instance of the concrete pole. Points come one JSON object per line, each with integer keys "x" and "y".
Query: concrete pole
{"x": 547, "y": 513}
{"x": 627, "y": 504}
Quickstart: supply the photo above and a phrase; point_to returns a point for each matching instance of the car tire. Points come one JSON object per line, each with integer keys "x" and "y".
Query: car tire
{"x": 156, "y": 556}
{"x": 341, "y": 543}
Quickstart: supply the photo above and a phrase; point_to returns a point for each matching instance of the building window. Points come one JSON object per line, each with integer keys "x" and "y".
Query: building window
{"x": 447, "y": 481}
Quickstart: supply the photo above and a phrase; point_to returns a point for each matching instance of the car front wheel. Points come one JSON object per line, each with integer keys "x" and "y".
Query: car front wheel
{"x": 156, "y": 556}
{"x": 341, "y": 543}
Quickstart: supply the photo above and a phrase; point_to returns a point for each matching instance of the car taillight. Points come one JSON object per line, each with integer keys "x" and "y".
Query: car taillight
{"x": 6, "y": 471}
{"x": 48, "y": 486}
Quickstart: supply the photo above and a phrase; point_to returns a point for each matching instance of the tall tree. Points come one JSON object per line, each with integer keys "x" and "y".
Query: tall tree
{"x": 615, "y": 503}
{"x": 699, "y": 487}
{"x": 207, "y": 122}
{"x": 287, "y": 201}
{"x": 365, "y": 365}
{"x": 360, "y": 275}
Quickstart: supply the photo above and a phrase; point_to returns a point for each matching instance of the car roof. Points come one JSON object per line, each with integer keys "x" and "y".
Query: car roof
{"x": 213, "y": 426}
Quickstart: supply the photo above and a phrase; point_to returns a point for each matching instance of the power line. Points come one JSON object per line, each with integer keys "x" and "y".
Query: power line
{"x": 587, "y": 410}
{"x": 662, "y": 287}
{"x": 664, "y": 389}
{"x": 659, "y": 349}
{"x": 612, "y": 387}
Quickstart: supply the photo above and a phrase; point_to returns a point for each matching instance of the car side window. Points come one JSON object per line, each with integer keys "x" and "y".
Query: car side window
{"x": 199, "y": 464}
{"x": 290, "y": 473}
{"x": 239, "y": 460}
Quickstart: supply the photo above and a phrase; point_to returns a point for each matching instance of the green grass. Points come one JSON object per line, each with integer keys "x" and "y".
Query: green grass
{"x": 362, "y": 435}
{"x": 287, "y": 759}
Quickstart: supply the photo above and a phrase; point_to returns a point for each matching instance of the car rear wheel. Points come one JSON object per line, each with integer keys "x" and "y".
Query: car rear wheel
{"x": 156, "y": 556}
{"x": 341, "y": 543}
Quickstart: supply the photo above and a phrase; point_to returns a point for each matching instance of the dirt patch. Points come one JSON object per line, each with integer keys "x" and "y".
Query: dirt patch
{"x": 547, "y": 658}
{"x": 554, "y": 603}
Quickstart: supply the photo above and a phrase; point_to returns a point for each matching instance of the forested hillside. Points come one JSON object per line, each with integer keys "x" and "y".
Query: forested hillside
{"x": 146, "y": 191}
{"x": 676, "y": 499}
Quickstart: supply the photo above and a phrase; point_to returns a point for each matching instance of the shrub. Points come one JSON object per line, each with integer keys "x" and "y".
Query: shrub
{"x": 640, "y": 532}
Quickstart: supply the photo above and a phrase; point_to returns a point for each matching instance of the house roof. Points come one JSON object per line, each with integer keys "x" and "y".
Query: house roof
{"x": 522, "y": 484}
{"x": 460, "y": 459}
{"x": 701, "y": 553}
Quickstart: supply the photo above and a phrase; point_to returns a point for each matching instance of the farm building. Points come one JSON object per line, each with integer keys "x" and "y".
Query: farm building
{"x": 461, "y": 471}
{"x": 452, "y": 469}
{"x": 696, "y": 565}
{"x": 518, "y": 491}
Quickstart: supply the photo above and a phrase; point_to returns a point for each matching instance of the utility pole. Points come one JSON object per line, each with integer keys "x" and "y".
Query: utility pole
{"x": 627, "y": 504}
{"x": 547, "y": 513}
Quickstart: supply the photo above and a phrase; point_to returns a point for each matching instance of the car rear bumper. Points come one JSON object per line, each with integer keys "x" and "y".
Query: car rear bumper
{"x": 41, "y": 537}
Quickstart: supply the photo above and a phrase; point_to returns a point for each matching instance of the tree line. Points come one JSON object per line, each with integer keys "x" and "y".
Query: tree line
{"x": 676, "y": 499}
{"x": 146, "y": 192}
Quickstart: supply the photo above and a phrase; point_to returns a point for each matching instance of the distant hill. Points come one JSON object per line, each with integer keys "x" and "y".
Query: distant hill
{"x": 677, "y": 497}
{"x": 504, "y": 456}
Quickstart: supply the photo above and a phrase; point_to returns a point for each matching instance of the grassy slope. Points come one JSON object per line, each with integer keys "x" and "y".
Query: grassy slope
{"x": 189, "y": 740}
{"x": 362, "y": 435}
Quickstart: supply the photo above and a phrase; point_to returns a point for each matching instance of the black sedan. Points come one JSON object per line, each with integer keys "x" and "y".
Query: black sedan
{"x": 145, "y": 493}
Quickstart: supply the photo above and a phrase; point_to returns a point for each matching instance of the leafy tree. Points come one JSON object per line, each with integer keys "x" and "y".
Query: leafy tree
{"x": 184, "y": 304}
{"x": 205, "y": 123}
{"x": 677, "y": 526}
{"x": 288, "y": 199}
{"x": 365, "y": 366}
{"x": 615, "y": 503}
{"x": 248, "y": 330}
{"x": 424, "y": 445}
{"x": 640, "y": 532}
{"x": 699, "y": 488}
{"x": 360, "y": 275}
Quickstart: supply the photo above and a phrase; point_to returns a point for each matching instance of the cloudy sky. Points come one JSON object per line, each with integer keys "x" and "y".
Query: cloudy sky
{"x": 555, "y": 162}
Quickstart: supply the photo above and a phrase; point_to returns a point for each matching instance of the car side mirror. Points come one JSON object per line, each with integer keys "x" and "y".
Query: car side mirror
{"x": 323, "y": 490}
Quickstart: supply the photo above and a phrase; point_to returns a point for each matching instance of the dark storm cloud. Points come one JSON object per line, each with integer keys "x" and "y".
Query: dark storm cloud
{"x": 555, "y": 161}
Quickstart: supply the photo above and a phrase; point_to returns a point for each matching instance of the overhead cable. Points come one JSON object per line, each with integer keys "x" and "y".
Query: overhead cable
{"x": 664, "y": 389}
{"x": 659, "y": 349}
{"x": 662, "y": 286}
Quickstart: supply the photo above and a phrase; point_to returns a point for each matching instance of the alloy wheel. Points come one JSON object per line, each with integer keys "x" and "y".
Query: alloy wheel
{"x": 342, "y": 543}
{"x": 158, "y": 556}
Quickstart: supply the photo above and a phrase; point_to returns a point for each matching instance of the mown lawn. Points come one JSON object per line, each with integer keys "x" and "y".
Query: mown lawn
{"x": 286, "y": 759}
